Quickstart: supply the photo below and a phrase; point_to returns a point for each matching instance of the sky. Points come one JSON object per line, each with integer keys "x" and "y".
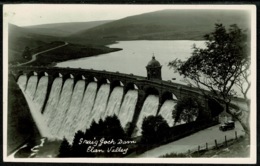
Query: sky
{"x": 24, "y": 15}
{"x": 35, "y": 14}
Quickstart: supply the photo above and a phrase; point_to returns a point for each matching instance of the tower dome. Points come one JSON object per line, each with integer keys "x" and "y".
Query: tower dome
{"x": 153, "y": 63}
{"x": 154, "y": 69}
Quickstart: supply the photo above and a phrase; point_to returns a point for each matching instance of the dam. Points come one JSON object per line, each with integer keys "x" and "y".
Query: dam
{"x": 67, "y": 100}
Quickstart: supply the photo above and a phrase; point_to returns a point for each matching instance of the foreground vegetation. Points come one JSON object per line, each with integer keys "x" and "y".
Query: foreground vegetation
{"x": 102, "y": 139}
{"x": 222, "y": 65}
{"x": 155, "y": 132}
{"x": 235, "y": 148}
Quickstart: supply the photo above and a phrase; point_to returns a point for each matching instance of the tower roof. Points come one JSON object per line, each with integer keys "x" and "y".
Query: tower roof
{"x": 153, "y": 63}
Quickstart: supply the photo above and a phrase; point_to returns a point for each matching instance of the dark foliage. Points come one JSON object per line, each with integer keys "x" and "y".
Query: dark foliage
{"x": 109, "y": 130}
{"x": 187, "y": 110}
{"x": 154, "y": 129}
{"x": 220, "y": 66}
{"x": 215, "y": 107}
{"x": 27, "y": 53}
{"x": 65, "y": 149}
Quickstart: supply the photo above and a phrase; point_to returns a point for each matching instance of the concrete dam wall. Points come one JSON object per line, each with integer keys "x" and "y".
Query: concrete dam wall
{"x": 61, "y": 106}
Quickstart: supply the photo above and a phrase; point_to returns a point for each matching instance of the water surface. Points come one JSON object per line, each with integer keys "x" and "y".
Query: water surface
{"x": 135, "y": 56}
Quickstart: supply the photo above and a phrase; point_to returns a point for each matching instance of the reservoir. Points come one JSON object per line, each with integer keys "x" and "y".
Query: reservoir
{"x": 135, "y": 55}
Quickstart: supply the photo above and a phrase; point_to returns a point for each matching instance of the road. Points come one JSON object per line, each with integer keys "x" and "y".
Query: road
{"x": 38, "y": 53}
{"x": 193, "y": 141}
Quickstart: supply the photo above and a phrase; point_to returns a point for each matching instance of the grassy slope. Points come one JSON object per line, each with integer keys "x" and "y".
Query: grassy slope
{"x": 19, "y": 38}
{"x": 63, "y": 29}
{"x": 235, "y": 148}
{"x": 241, "y": 148}
{"x": 162, "y": 25}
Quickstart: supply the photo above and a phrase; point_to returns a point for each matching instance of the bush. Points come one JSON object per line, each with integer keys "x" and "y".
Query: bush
{"x": 65, "y": 149}
{"x": 154, "y": 130}
{"x": 215, "y": 107}
{"x": 187, "y": 110}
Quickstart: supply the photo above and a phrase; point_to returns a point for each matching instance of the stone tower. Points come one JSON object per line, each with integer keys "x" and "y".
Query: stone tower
{"x": 154, "y": 70}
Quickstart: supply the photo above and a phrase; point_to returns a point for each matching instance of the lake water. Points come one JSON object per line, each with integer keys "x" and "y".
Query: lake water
{"x": 135, "y": 56}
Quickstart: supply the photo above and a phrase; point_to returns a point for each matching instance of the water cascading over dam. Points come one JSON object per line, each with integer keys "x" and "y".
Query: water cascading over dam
{"x": 166, "y": 111}
{"x": 86, "y": 106}
{"x": 31, "y": 86}
{"x": 100, "y": 103}
{"x": 62, "y": 108}
{"x": 127, "y": 109}
{"x": 73, "y": 105}
{"x": 150, "y": 107}
{"x": 68, "y": 125}
{"x": 53, "y": 100}
{"x": 22, "y": 80}
{"x": 41, "y": 92}
{"x": 114, "y": 102}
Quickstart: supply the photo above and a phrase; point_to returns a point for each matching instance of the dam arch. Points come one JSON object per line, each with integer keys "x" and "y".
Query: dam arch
{"x": 140, "y": 85}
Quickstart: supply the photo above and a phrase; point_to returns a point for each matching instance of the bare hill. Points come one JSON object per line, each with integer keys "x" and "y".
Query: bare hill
{"x": 63, "y": 29}
{"x": 19, "y": 38}
{"x": 164, "y": 25}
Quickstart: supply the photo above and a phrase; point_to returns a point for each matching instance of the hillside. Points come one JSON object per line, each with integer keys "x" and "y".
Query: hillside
{"x": 63, "y": 29}
{"x": 163, "y": 25}
{"x": 19, "y": 38}
{"x": 40, "y": 35}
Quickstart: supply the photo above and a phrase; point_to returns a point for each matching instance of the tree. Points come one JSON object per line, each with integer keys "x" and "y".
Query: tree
{"x": 77, "y": 149}
{"x": 154, "y": 130}
{"x": 112, "y": 128}
{"x": 215, "y": 107}
{"x": 244, "y": 83}
{"x": 65, "y": 148}
{"x": 219, "y": 66}
{"x": 109, "y": 129}
{"x": 187, "y": 110}
{"x": 27, "y": 53}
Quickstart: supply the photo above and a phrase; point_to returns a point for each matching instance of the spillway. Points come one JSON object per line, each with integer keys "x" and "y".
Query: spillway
{"x": 87, "y": 103}
{"x": 22, "y": 80}
{"x": 114, "y": 102}
{"x": 127, "y": 109}
{"x": 62, "y": 107}
{"x": 31, "y": 86}
{"x": 166, "y": 111}
{"x": 33, "y": 105}
{"x": 54, "y": 96}
{"x": 100, "y": 102}
{"x": 68, "y": 125}
{"x": 69, "y": 109}
{"x": 150, "y": 107}
{"x": 41, "y": 92}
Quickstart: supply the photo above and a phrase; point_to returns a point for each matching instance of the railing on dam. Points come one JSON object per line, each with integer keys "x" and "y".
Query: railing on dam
{"x": 18, "y": 70}
{"x": 185, "y": 89}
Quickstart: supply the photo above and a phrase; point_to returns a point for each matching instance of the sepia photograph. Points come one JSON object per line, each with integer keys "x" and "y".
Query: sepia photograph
{"x": 129, "y": 83}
